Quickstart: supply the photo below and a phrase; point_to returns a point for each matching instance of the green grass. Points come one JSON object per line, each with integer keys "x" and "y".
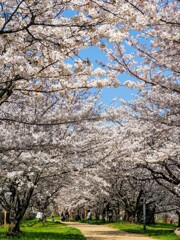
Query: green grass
{"x": 33, "y": 230}
{"x": 158, "y": 231}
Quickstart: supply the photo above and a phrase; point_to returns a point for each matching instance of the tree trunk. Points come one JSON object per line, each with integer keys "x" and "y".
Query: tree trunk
{"x": 117, "y": 212}
{"x": 150, "y": 214}
{"x": 18, "y": 213}
{"x": 43, "y": 219}
{"x": 130, "y": 216}
{"x": 153, "y": 215}
{"x": 178, "y": 213}
{"x": 14, "y": 228}
{"x": 97, "y": 215}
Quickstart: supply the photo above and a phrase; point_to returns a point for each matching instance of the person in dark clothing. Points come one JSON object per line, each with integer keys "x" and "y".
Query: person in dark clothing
{"x": 104, "y": 215}
{"x": 66, "y": 215}
{"x": 62, "y": 216}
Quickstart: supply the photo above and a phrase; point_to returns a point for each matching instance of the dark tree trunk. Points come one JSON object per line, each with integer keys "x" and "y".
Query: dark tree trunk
{"x": 117, "y": 212}
{"x": 104, "y": 215}
{"x": 14, "y": 228}
{"x": 153, "y": 215}
{"x": 97, "y": 215}
{"x": 18, "y": 213}
{"x": 43, "y": 219}
{"x": 178, "y": 213}
{"x": 150, "y": 214}
{"x": 130, "y": 216}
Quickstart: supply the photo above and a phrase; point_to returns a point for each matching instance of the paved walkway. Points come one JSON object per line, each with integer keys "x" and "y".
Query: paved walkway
{"x": 103, "y": 232}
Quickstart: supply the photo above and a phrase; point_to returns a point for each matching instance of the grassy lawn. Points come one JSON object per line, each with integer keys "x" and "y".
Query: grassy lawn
{"x": 33, "y": 230}
{"x": 158, "y": 231}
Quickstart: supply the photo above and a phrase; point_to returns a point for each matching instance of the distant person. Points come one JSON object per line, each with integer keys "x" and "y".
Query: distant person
{"x": 39, "y": 216}
{"x": 66, "y": 215}
{"x": 104, "y": 215}
{"x": 89, "y": 216}
{"x": 62, "y": 216}
{"x": 53, "y": 218}
{"x": 110, "y": 215}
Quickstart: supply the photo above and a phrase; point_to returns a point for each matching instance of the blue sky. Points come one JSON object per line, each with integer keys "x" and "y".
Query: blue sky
{"x": 108, "y": 94}
{"x": 94, "y": 54}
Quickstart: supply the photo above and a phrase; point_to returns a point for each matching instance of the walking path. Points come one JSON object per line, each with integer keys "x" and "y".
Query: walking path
{"x": 103, "y": 232}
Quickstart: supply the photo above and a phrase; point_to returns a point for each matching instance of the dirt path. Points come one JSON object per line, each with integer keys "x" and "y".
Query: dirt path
{"x": 103, "y": 232}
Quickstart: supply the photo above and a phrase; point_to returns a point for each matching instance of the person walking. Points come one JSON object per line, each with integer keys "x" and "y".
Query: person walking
{"x": 110, "y": 215}
{"x": 89, "y": 216}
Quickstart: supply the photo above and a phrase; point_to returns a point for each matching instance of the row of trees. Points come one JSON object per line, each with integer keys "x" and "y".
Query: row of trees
{"x": 123, "y": 177}
{"x": 56, "y": 137}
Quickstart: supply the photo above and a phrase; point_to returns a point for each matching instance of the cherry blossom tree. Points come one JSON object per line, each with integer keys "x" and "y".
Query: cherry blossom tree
{"x": 118, "y": 178}
{"x": 145, "y": 45}
{"x": 36, "y": 39}
{"x": 143, "y": 42}
{"x": 38, "y": 148}
{"x": 47, "y": 111}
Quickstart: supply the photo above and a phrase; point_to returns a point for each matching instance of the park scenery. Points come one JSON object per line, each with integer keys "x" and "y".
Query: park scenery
{"x": 89, "y": 119}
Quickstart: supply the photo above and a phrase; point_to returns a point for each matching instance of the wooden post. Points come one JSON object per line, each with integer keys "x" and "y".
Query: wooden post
{"x": 144, "y": 208}
{"x": 85, "y": 213}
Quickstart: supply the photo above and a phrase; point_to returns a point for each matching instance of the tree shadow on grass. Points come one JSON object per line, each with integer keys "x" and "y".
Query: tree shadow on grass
{"x": 36, "y": 223}
{"x": 50, "y": 231}
{"x": 154, "y": 231}
{"x": 44, "y": 236}
{"x": 149, "y": 232}
{"x": 51, "y": 236}
{"x": 159, "y": 232}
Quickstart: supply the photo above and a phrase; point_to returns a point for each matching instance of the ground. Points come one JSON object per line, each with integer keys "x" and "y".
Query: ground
{"x": 103, "y": 232}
